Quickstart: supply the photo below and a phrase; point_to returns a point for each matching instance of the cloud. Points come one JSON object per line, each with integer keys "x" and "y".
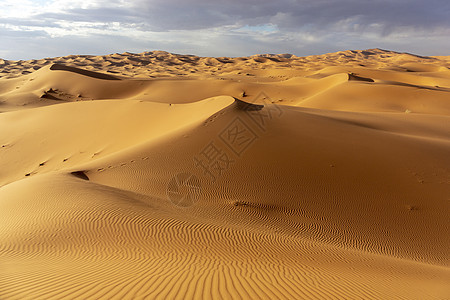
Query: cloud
{"x": 291, "y": 14}
{"x": 251, "y": 26}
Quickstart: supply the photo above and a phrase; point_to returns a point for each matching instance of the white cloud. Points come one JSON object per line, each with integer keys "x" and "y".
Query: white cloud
{"x": 18, "y": 8}
{"x": 233, "y": 27}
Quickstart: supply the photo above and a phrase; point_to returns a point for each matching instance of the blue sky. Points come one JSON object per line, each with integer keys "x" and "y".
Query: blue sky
{"x": 48, "y": 28}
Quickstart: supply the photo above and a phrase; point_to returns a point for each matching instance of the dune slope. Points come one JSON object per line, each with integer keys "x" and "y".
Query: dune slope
{"x": 163, "y": 176}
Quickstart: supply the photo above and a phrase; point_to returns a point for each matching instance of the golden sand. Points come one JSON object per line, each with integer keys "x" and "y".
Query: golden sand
{"x": 133, "y": 176}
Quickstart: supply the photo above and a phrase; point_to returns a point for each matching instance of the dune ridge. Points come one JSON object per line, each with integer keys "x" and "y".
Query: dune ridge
{"x": 165, "y": 176}
{"x": 389, "y": 81}
{"x": 165, "y": 64}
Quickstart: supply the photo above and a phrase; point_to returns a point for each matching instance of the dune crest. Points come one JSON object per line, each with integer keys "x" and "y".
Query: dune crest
{"x": 60, "y": 67}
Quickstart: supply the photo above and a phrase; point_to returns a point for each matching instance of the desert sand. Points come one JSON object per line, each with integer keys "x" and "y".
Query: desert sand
{"x": 165, "y": 176}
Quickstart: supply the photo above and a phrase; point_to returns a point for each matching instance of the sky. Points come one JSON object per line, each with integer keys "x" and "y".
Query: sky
{"x": 32, "y": 29}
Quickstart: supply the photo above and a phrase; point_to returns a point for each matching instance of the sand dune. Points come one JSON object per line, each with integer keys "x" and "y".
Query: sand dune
{"x": 389, "y": 81}
{"x": 164, "y": 176}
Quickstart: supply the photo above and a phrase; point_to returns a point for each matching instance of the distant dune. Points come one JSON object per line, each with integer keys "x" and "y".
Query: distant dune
{"x": 166, "y": 176}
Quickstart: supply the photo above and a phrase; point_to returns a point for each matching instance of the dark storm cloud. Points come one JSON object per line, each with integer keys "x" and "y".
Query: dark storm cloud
{"x": 291, "y": 14}
{"x": 286, "y": 14}
{"x": 389, "y": 13}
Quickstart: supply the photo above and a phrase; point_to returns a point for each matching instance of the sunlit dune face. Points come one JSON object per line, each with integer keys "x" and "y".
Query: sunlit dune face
{"x": 164, "y": 176}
